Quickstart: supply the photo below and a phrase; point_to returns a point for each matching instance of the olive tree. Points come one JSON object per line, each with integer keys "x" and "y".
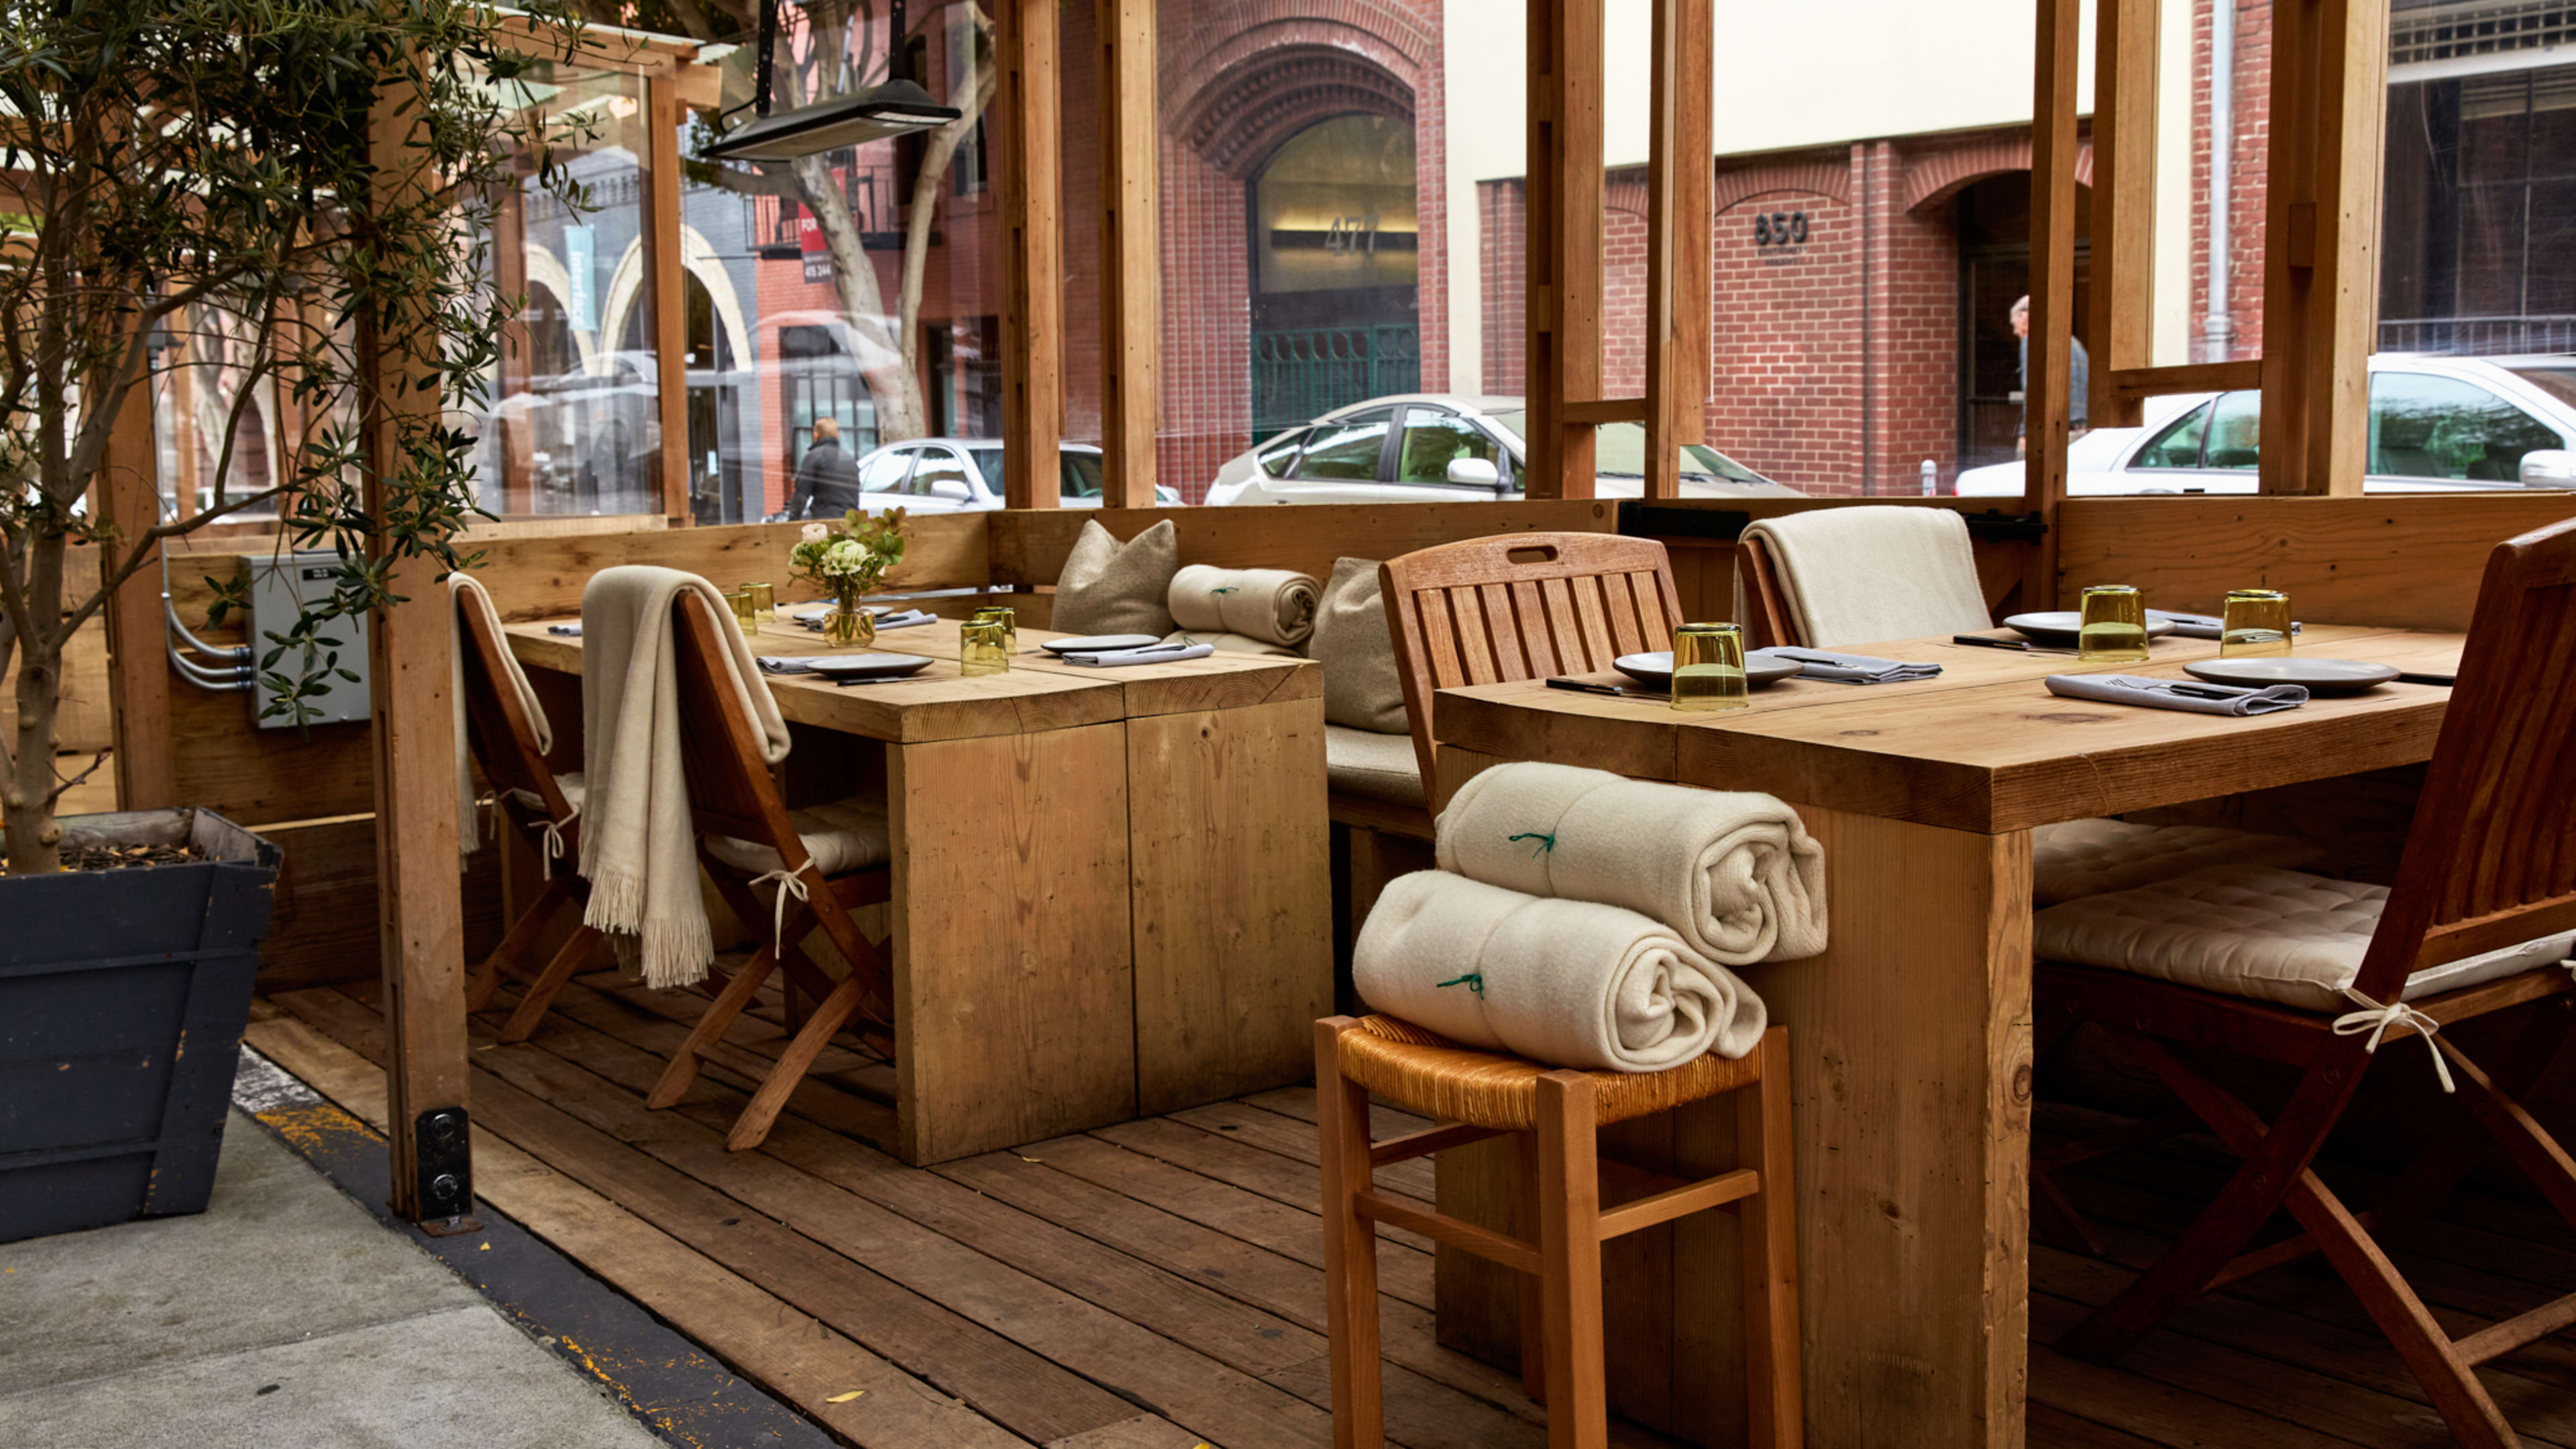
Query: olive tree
{"x": 307, "y": 180}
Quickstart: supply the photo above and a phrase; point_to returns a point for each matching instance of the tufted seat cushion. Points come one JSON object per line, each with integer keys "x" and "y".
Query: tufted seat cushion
{"x": 2093, "y": 857}
{"x": 2257, "y": 931}
{"x": 844, "y": 836}
{"x": 1364, "y": 762}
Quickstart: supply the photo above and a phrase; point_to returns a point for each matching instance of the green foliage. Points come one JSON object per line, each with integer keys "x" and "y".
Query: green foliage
{"x": 850, "y": 557}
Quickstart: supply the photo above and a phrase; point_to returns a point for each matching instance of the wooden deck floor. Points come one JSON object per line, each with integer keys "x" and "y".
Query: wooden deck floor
{"x": 1159, "y": 1285}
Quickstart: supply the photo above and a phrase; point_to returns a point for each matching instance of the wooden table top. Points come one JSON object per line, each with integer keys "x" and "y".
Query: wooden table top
{"x": 1038, "y": 693}
{"x": 1984, "y": 746}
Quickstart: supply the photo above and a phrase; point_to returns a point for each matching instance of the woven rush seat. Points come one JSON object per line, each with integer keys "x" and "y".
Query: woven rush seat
{"x": 1436, "y": 1077}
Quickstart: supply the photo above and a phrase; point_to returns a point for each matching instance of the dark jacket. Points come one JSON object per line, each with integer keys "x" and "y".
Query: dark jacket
{"x": 827, "y": 482}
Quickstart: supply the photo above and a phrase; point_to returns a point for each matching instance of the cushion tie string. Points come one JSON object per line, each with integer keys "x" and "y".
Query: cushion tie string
{"x": 2377, "y": 1019}
{"x": 789, "y": 884}
{"x": 1546, "y": 841}
{"x": 1473, "y": 981}
{"x": 553, "y": 831}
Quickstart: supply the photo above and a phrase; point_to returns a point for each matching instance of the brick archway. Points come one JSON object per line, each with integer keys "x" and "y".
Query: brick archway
{"x": 1934, "y": 178}
{"x": 1828, "y": 179}
{"x": 1247, "y": 112}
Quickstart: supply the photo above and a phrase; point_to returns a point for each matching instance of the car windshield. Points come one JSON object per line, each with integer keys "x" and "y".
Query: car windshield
{"x": 2557, "y": 381}
{"x": 1619, "y": 449}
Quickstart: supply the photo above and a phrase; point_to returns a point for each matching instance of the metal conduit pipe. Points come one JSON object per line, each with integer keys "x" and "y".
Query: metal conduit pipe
{"x": 240, "y": 654}
{"x": 2218, "y": 328}
{"x": 233, "y": 678}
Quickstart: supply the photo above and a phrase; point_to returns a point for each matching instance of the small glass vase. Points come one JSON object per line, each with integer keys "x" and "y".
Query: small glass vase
{"x": 849, "y": 625}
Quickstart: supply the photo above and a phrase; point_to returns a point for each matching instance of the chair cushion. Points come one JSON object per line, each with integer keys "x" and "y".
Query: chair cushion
{"x": 574, "y": 787}
{"x": 2260, "y": 932}
{"x": 844, "y": 836}
{"x": 1361, "y": 686}
{"x": 1108, "y": 587}
{"x": 2094, "y": 857}
{"x": 1379, "y": 766}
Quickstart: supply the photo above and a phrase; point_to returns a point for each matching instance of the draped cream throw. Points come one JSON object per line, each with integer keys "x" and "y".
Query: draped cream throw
{"x": 1275, "y": 605}
{"x": 1568, "y": 983}
{"x": 464, "y": 592}
{"x": 1734, "y": 874}
{"x": 1852, "y": 576}
{"x": 637, "y": 841}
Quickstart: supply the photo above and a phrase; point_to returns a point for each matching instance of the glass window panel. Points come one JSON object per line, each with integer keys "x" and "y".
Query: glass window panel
{"x": 941, "y": 475}
{"x": 885, "y": 470}
{"x": 1434, "y": 440}
{"x": 1080, "y": 474}
{"x": 1349, "y": 448}
{"x": 2178, "y": 446}
{"x": 2235, "y": 431}
{"x": 2428, "y": 426}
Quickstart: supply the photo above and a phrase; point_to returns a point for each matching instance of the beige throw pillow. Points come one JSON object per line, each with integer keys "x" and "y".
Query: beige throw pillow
{"x": 1109, "y": 587}
{"x": 1361, "y": 687}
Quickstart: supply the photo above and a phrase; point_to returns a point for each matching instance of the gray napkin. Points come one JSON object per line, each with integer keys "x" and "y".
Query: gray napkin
{"x": 2196, "y": 626}
{"x": 788, "y": 664}
{"x": 2196, "y": 696}
{"x": 1150, "y": 654}
{"x": 1850, "y": 668}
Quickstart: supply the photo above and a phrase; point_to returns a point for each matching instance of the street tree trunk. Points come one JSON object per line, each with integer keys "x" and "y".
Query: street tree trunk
{"x": 27, "y": 825}
{"x": 890, "y": 375}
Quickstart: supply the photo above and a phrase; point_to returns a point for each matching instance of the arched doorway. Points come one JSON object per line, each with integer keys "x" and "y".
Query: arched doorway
{"x": 1993, "y": 219}
{"x": 1335, "y": 262}
{"x": 716, "y": 381}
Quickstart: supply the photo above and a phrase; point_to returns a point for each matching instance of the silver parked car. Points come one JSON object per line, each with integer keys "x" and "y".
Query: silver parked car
{"x": 1433, "y": 447}
{"x": 964, "y": 475}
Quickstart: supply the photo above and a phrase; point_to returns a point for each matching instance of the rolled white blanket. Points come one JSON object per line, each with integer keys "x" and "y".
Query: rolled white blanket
{"x": 1734, "y": 873}
{"x": 1567, "y": 983}
{"x": 1274, "y": 605}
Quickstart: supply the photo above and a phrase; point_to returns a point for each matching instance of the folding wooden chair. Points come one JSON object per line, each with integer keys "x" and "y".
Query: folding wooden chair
{"x": 1766, "y": 613}
{"x": 731, "y": 795}
{"x": 543, "y": 807}
{"x": 1521, "y": 606}
{"x": 2490, "y": 863}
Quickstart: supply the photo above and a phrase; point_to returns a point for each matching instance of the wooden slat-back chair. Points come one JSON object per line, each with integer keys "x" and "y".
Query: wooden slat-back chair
{"x": 1521, "y": 606}
{"x": 1766, "y": 620}
{"x": 2490, "y": 862}
{"x": 504, "y": 741}
{"x": 732, "y": 794}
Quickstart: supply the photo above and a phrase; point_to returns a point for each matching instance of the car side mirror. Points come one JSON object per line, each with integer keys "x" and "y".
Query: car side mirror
{"x": 949, "y": 488}
{"x": 2549, "y": 468}
{"x": 1475, "y": 472}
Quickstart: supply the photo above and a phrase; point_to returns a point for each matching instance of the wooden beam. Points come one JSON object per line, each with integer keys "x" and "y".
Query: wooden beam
{"x": 510, "y": 278}
{"x": 138, "y": 667}
{"x": 2136, "y": 384}
{"x": 1591, "y": 413}
{"x": 1678, "y": 197}
{"x": 1565, "y": 206}
{"x": 668, "y": 275}
{"x": 2124, "y": 205}
{"x": 2046, "y": 404}
{"x": 2321, "y": 243}
{"x": 422, "y": 937}
{"x": 1131, "y": 272}
{"x": 1033, "y": 250}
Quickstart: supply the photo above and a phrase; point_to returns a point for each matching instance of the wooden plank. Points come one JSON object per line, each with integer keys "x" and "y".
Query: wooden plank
{"x": 2407, "y": 562}
{"x": 254, "y": 776}
{"x": 1232, "y": 901}
{"x": 2329, "y": 97}
{"x": 1015, "y": 992}
{"x": 323, "y": 922}
{"x": 2046, "y": 403}
{"x": 1011, "y": 1385}
{"x": 1028, "y": 548}
{"x": 1131, "y": 270}
{"x": 1678, "y": 232}
{"x": 667, "y": 277}
{"x": 800, "y": 1358}
{"x": 1030, "y": 109}
{"x": 2123, "y": 207}
{"x": 2131, "y": 384}
{"x": 1564, "y": 248}
{"x": 138, "y": 692}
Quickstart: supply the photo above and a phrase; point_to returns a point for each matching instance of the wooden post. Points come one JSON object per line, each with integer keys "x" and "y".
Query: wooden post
{"x": 518, "y": 357}
{"x": 668, "y": 287}
{"x": 137, "y": 640}
{"x": 1131, "y": 274}
{"x": 2046, "y": 405}
{"x": 2321, "y": 243}
{"x": 1565, "y": 202}
{"x": 1678, "y": 284}
{"x": 422, "y": 934}
{"x": 2124, "y": 205}
{"x": 1025, "y": 40}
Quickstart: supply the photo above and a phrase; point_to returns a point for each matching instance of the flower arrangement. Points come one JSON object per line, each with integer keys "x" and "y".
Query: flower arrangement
{"x": 850, "y": 558}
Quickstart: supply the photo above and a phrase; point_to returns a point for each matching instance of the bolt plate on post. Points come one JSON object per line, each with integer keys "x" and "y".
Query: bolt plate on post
{"x": 443, "y": 1142}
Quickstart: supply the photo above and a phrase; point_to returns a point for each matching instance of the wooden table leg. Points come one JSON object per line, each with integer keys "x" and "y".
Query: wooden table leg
{"x": 1014, "y": 986}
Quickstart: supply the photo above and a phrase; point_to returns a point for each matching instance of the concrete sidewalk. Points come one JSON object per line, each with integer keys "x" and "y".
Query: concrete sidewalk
{"x": 283, "y": 1316}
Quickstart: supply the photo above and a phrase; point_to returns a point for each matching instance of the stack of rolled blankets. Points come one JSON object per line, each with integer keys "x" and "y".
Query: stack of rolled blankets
{"x": 1584, "y": 920}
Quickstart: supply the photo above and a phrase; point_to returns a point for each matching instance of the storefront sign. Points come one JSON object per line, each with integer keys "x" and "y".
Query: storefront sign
{"x": 811, "y": 246}
{"x": 1780, "y": 236}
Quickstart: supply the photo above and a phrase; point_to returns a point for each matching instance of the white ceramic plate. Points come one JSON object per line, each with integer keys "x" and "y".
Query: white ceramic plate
{"x": 870, "y": 666}
{"x": 2322, "y": 676}
{"x": 2058, "y": 626}
{"x": 1657, "y": 668}
{"x": 1098, "y": 643}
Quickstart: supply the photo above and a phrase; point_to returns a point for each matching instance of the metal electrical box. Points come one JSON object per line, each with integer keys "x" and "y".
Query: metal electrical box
{"x": 280, "y": 590}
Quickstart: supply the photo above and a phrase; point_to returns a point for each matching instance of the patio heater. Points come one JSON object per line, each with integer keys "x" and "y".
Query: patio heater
{"x": 897, "y": 107}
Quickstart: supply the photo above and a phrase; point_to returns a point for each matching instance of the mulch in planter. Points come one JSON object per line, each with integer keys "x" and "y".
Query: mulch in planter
{"x": 121, "y": 857}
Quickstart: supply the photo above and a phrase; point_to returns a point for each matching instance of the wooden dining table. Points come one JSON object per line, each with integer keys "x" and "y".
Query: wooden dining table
{"x": 1911, "y": 1035}
{"x": 1111, "y": 887}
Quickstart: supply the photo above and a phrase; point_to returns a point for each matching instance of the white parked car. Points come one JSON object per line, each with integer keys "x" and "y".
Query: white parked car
{"x": 1434, "y": 447}
{"x": 2436, "y": 424}
{"x": 964, "y": 475}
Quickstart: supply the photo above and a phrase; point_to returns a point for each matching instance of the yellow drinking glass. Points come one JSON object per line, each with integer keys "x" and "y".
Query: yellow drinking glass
{"x": 2255, "y": 622}
{"x": 1708, "y": 668}
{"x": 1009, "y": 619}
{"x": 2114, "y": 627}
{"x": 983, "y": 648}
{"x": 740, "y": 599}
{"x": 764, "y": 602}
